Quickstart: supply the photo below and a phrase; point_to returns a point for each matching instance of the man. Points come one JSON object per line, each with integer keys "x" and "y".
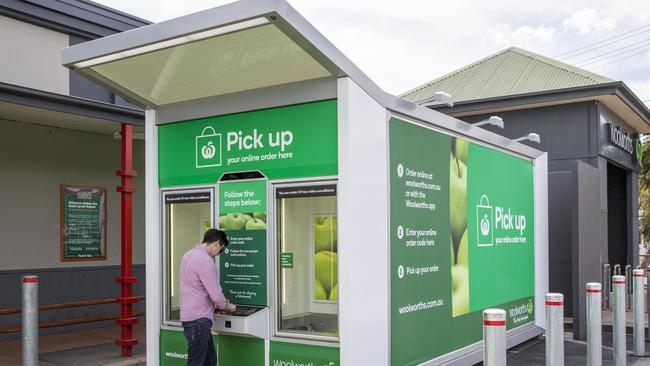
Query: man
{"x": 200, "y": 294}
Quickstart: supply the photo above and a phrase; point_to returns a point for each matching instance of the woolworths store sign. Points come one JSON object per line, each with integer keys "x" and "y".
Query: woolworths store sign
{"x": 462, "y": 240}
{"x": 284, "y": 142}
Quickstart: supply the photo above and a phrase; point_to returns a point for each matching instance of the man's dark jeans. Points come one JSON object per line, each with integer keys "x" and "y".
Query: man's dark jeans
{"x": 200, "y": 348}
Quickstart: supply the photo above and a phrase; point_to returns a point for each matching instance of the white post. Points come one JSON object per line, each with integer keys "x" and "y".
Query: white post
{"x": 30, "y": 320}
{"x": 594, "y": 325}
{"x": 494, "y": 337}
{"x": 554, "y": 329}
{"x": 606, "y": 287}
{"x": 618, "y": 285}
{"x": 639, "y": 312}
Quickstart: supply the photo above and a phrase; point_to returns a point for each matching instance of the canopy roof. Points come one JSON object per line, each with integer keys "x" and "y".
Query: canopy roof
{"x": 240, "y": 46}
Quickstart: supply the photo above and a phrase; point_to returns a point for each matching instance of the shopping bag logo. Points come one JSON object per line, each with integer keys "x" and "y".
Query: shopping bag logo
{"x": 485, "y": 223}
{"x": 208, "y": 148}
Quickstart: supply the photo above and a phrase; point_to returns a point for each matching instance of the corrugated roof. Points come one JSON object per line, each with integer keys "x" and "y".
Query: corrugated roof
{"x": 509, "y": 72}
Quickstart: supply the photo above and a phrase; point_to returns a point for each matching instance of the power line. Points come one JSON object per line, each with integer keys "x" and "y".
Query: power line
{"x": 623, "y": 58}
{"x": 642, "y": 42}
{"x": 605, "y": 45}
{"x": 599, "y": 42}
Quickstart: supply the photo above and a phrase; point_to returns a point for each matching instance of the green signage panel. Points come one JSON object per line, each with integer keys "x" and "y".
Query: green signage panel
{"x": 295, "y": 354}
{"x": 83, "y": 223}
{"x": 500, "y": 205}
{"x": 461, "y": 239}
{"x": 236, "y": 351}
{"x": 242, "y": 264}
{"x": 286, "y": 260}
{"x": 173, "y": 347}
{"x": 283, "y": 142}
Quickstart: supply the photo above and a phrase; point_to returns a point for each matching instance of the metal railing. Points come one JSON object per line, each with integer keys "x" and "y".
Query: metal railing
{"x": 67, "y": 305}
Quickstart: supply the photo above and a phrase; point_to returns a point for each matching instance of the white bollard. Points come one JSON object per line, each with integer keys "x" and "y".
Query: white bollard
{"x": 494, "y": 337}
{"x": 639, "y": 312}
{"x": 554, "y": 329}
{"x": 594, "y": 325}
{"x": 618, "y": 306}
{"x": 30, "y": 320}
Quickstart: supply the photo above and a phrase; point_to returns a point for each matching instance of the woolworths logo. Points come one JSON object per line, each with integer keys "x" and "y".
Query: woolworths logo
{"x": 522, "y": 313}
{"x": 181, "y": 356}
{"x": 302, "y": 363}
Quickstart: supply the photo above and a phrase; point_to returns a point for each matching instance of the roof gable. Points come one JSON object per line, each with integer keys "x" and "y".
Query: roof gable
{"x": 509, "y": 72}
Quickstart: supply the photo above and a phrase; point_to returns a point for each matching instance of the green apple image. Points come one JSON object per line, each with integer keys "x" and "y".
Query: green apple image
{"x": 255, "y": 224}
{"x": 334, "y": 295}
{"x": 462, "y": 146}
{"x": 453, "y": 253}
{"x": 325, "y": 234}
{"x": 246, "y": 216}
{"x": 462, "y": 257}
{"x": 458, "y": 198}
{"x": 260, "y": 215}
{"x": 460, "y": 290}
{"x": 222, "y": 220}
{"x": 326, "y": 268}
{"x": 233, "y": 221}
{"x": 319, "y": 291}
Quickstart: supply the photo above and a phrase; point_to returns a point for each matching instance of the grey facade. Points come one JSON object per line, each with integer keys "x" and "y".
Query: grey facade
{"x": 58, "y": 128}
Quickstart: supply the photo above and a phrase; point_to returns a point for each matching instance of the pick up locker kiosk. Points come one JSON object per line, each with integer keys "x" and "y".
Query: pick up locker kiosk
{"x": 364, "y": 229}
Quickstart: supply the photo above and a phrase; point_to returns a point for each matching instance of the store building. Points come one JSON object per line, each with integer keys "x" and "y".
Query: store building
{"x": 59, "y": 135}
{"x": 590, "y": 127}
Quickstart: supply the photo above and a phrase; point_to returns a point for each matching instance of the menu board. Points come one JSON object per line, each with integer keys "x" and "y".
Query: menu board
{"x": 83, "y": 223}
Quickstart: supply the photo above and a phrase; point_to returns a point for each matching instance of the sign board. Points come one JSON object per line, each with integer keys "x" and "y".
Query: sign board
{"x": 461, "y": 241}
{"x": 83, "y": 223}
{"x": 242, "y": 265}
{"x": 284, "y": 142}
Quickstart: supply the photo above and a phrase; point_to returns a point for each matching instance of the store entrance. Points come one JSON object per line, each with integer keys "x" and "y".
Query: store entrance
{"x": 617, "y": 215}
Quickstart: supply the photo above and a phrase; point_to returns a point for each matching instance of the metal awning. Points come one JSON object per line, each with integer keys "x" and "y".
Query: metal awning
{"x": 240, "y": 46}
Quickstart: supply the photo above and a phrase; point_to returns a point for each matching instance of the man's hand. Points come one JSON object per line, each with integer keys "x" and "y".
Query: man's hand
{"x": 231, "y": 308}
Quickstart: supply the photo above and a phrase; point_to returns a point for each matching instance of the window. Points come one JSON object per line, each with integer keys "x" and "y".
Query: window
{"x": 187, "y": 215}
{"x": 307, "y": 260}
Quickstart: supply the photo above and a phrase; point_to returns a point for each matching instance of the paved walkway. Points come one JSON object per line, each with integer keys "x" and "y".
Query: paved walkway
{"x": 533, "y": 352}
{"x": 83, "y": 347}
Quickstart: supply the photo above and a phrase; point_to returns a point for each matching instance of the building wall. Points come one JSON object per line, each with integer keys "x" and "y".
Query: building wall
{"x": 31, "y": 56}
{"x": 35, "y": 161}
{"x": 567, "y": 131}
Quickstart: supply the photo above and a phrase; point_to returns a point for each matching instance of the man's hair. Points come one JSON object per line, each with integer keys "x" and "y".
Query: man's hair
{"x": 213, "y": 235}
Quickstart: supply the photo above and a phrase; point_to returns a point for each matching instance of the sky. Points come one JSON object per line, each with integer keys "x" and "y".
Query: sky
{"x": 403, "y": 44}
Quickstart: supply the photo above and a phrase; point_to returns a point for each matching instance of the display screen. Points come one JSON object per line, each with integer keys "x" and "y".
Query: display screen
{"x": 307, "y": 248}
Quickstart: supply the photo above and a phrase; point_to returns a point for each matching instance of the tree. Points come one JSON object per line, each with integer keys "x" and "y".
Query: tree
{"x": 644, "y": 196}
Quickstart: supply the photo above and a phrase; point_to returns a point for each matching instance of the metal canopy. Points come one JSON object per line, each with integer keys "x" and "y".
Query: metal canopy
{"x": 234, "y": 48}
{"x": 240, "y": 46}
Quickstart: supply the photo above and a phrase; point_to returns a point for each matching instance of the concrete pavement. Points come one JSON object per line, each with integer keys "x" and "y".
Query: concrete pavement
{"x": 82, "y": 347}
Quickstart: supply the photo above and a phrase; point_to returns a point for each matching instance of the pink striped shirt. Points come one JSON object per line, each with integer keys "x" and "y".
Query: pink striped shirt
{"x": 200, "y": 287}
